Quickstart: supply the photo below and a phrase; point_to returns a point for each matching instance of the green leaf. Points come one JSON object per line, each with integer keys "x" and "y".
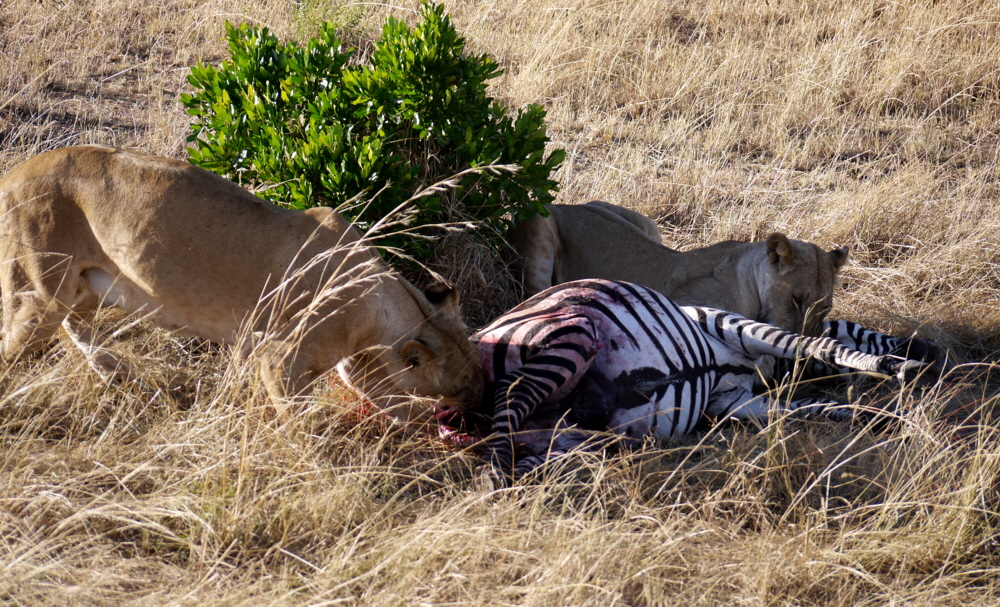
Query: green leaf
{"x": 303, "y": 121}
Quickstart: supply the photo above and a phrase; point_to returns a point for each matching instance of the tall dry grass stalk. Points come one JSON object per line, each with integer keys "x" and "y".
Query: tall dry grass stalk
{"x": 865, "y": 123}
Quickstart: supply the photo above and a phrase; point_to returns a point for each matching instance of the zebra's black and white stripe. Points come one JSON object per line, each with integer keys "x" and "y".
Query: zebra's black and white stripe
{"x": 857, "y": 337}
{"x": 862, "y": 339}
{"x": 599, "y": 355}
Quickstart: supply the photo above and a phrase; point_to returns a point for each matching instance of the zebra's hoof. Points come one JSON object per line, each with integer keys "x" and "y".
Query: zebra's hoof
{"x": 910, "y": 370}
{"x": 488, "y": 479}
{"x": 923, "y": 350}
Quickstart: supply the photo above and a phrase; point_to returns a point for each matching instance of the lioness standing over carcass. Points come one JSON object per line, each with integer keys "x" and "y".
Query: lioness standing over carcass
{"x": 786, "y": 283}
{"x": 88, "y": 226}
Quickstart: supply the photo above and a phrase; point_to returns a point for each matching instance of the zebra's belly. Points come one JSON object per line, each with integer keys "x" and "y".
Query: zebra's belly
{"x": 633, "y": 404}
{"x": 673, "y": 408}
{"x": 550, "y": 431}
{"x": 661, "y": 386}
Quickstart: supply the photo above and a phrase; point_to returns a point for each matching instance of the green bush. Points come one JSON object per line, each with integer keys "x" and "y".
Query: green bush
{"x": 318, "y": 129}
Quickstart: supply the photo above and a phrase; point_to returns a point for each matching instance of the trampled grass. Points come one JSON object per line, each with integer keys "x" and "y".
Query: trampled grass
{"x": 865, "y": 123}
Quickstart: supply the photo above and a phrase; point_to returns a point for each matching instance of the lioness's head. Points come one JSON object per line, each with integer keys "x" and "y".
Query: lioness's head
{"x": 798, "y": 291}
{"x": 435, "y": 359}
{"x": 442, "y": 356}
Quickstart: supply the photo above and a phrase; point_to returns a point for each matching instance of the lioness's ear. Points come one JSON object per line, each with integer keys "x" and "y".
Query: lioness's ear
{"x": 416, "y": 354}
{"x": 779, "y": 249}
{"x": 839, "y": 257}
{"x": 444, "y": 298}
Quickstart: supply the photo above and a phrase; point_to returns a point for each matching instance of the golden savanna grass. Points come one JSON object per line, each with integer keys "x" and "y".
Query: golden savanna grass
{"x": 867, "y": 123}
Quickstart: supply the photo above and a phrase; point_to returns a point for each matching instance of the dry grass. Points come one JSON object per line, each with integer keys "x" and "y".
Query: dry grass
{"x": 867, "y": 123}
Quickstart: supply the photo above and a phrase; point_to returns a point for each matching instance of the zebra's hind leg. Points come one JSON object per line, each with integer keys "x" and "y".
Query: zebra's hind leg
{"x": 868, "y": 341}
{"x": 531, "y": 462}
{"x": 546, "y": 441}
{"x": 812, "y": 407}
{"x": 740, "y": 403}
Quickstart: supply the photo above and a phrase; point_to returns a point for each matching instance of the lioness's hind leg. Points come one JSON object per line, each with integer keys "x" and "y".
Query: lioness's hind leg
{"x": 29, "y": 322}
{"x": 81, "y": 332}
{"x": 42, "y": 293}
{"x": 79, "y": 326}
{"x": 32, "y": 311}
{"x": 536, "y": 241}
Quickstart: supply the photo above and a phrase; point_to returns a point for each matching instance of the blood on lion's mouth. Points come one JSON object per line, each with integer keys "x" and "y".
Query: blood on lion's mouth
{"x": 457, "y": 437}
{"x": 454, "y": 427}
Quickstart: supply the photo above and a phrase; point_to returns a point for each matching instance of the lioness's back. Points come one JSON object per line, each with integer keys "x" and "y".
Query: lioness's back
{"x": 164, "y": 232}
{"x": 124, "y": 190}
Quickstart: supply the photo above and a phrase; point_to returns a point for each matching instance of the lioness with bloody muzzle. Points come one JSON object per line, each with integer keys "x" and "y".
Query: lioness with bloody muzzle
{"x": 87, "y": 226}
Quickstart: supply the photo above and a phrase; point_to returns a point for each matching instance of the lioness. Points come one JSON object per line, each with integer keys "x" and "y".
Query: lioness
{"x": 786, "y": 283}
{"x": 88, "y": 226}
